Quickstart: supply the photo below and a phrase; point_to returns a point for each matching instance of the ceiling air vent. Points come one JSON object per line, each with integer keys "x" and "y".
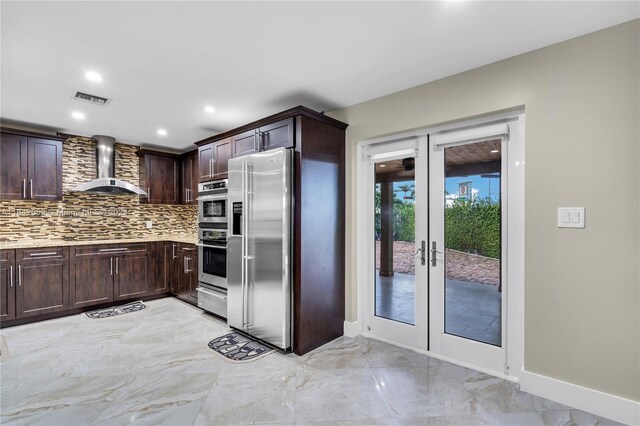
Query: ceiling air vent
{"x": 98, "y": 100}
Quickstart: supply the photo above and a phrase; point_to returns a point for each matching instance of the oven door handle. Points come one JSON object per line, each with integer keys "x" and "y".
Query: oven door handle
{"x": 212, "y": 246}
{"x": 212, "y": 197}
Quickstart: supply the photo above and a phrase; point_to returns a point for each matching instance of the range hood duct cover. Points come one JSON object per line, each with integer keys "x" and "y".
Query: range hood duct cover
{"x": 106, "y": 183}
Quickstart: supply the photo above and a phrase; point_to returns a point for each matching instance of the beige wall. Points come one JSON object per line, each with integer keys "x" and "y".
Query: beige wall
{"x": 581, "y": 100}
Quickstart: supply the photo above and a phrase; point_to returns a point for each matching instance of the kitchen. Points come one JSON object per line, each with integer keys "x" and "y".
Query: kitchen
{"x": 178, "y": 216}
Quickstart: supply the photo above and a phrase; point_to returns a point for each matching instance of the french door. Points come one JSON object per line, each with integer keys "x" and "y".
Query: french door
{"x": 437, "y": 272}
{"x": 396, "y": 182}
{"x": 467, "y": 257}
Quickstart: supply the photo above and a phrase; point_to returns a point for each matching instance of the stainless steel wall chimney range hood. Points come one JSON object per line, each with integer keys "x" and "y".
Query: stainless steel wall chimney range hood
{"x": 106, "y": 183}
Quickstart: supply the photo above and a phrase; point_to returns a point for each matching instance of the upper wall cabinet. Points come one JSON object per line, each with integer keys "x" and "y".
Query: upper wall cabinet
{"x": 213, "y": 159}
{"x": 190, "y": 178}
{"x": 30, "y": 168}
{"x": 160, "y": 177}
{"x": 270, "y": 136}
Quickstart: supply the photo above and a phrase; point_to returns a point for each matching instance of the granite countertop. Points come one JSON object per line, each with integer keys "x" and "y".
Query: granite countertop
{"x": 35, "y": 243}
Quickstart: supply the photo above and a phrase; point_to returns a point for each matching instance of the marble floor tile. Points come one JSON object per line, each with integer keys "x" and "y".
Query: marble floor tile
{"x": 339, "y": 395}
{"x": 154, "y": 367}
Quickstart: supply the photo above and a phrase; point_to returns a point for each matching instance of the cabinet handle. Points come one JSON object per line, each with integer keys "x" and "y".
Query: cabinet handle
{"x": 24, "y": 188}
{"x": 11, "y": 275}
{"x": 20, "y": 275}
{"x": 50, "y": 253}
{"x": 184, "y": 266}
{"x": 115, "y": 249}
{"x": 111, "y": 269}
{"x": 173, "y": 251}
{"x": 148, "y": 193}
{"x": 116, "y": 266}
{"x": 256, "y": 147}
{"x": 260, "y": 136}
{"x": 187, "y": 259}
{"x": 31, "y": 188}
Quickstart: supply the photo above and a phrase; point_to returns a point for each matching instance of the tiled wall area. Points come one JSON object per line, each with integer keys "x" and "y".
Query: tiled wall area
{"x": 90, "y": 217}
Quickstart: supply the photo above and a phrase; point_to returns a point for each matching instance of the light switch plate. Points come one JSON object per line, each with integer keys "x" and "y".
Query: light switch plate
{"x": 149, "y": 224}
{"x": 570, "y": 217}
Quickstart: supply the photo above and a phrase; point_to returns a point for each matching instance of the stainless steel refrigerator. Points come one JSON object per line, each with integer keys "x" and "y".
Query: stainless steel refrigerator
{"x": 259, "y": 298}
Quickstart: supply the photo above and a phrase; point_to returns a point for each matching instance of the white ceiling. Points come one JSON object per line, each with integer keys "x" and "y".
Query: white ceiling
{"x": 162, "y": 62}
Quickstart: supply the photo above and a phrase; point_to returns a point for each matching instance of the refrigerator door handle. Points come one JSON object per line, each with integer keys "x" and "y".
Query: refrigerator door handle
{"x": 243, "y": 266}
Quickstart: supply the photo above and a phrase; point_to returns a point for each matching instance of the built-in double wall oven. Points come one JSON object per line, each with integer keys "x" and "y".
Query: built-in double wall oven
{"x": 212, "y": 247}
{"x": 212, "y": 202}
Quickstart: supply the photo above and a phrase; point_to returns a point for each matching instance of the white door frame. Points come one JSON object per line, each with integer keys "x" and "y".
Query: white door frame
{"x": 515, "y": 239}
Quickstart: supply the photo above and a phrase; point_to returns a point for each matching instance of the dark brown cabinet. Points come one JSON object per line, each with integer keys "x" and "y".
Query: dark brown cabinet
{"x": 7, "y": 285}
{"x": 42, "y": 281}
{"x": 91, "y": 280}
{"x": 159, "y": 176}
{"x": 164, "y": 266}
{"x": 109, "y": 272}
{"x": 244, "y": 143}
{"x": 213, "y": 160}
{"x": 131, "y": 277}
{"x": 270, "y": 136}
{"x": 221, "y": 155}
{"x": 30, "y": 168}
{"x": 186, "y": 273}
{"x": 205, "y": 161}
{"x": 190, "y": 178}
{"x": 276, "y": 135}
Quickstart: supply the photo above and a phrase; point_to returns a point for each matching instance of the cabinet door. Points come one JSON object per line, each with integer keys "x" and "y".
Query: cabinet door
{"x": 244, "y": 143}
{"x": 162, "y": 179}
{"x": 190, "y": 179}
{"x": 43, "y": 287}
{"x": 192, "y": 276}
{"x": 13, "y": 167}
{"x": 91, "y": 280}
{"x": 163, "y": 268}
{"x": 7, "y": 285}
{"x": 277, "y": 135}
{"x": 221, "y": 155}
{"x": 44, "y": 169}
{"x": 175, "y": 271}
{"x": 205, "y": 159}
{"x": 131, "y": 276}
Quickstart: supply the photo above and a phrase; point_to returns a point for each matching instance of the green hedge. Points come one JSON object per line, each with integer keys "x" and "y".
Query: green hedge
{"x": 474, "y": 227}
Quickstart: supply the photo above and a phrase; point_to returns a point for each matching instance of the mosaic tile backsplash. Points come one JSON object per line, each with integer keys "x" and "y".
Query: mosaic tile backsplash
{"x": 87, "y": 217}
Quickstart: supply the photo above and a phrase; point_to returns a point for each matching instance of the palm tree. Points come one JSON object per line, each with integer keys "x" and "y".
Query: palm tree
{"x": 406, "y": 189}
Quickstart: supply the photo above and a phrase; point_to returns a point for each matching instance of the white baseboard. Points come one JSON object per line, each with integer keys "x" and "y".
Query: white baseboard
{"x": 352, "y": 329}
{"x": 592, "y": 401}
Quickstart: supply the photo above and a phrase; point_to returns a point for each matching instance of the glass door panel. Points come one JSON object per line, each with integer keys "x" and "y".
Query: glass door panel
{"x": 395, "y": 283}
{"x": 472, "y": 241}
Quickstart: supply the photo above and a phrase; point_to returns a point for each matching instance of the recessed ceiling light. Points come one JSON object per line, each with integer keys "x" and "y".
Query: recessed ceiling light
{"x": 77, "y": 115}
{"x": 162, "y": 132}
{"x": 493, "y": 151}
{"x": 209, "y": 109}
{"x": 93, "y": 76}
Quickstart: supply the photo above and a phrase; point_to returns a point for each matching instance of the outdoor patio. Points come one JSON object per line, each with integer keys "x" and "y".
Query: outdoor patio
{"x": 472, "y": 309}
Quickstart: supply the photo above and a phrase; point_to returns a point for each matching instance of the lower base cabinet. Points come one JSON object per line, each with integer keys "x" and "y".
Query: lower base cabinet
{"x": 7, "y": 285}
{"x": 186, "y": 273}
{"x": 49, "y": 280}
{"x": 105, "y": 273}
{"x": 33, "y": 282}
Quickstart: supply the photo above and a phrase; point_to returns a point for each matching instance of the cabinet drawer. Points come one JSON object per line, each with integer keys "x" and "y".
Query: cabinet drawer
{"x": 33, "y": 254}
{"x": 109, "y": 249}
{"x": 7, "y": 256}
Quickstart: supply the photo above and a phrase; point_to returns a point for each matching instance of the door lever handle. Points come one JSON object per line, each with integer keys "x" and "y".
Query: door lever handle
{"x": 421, "y": 250}
{"x": 434, "y": 251}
